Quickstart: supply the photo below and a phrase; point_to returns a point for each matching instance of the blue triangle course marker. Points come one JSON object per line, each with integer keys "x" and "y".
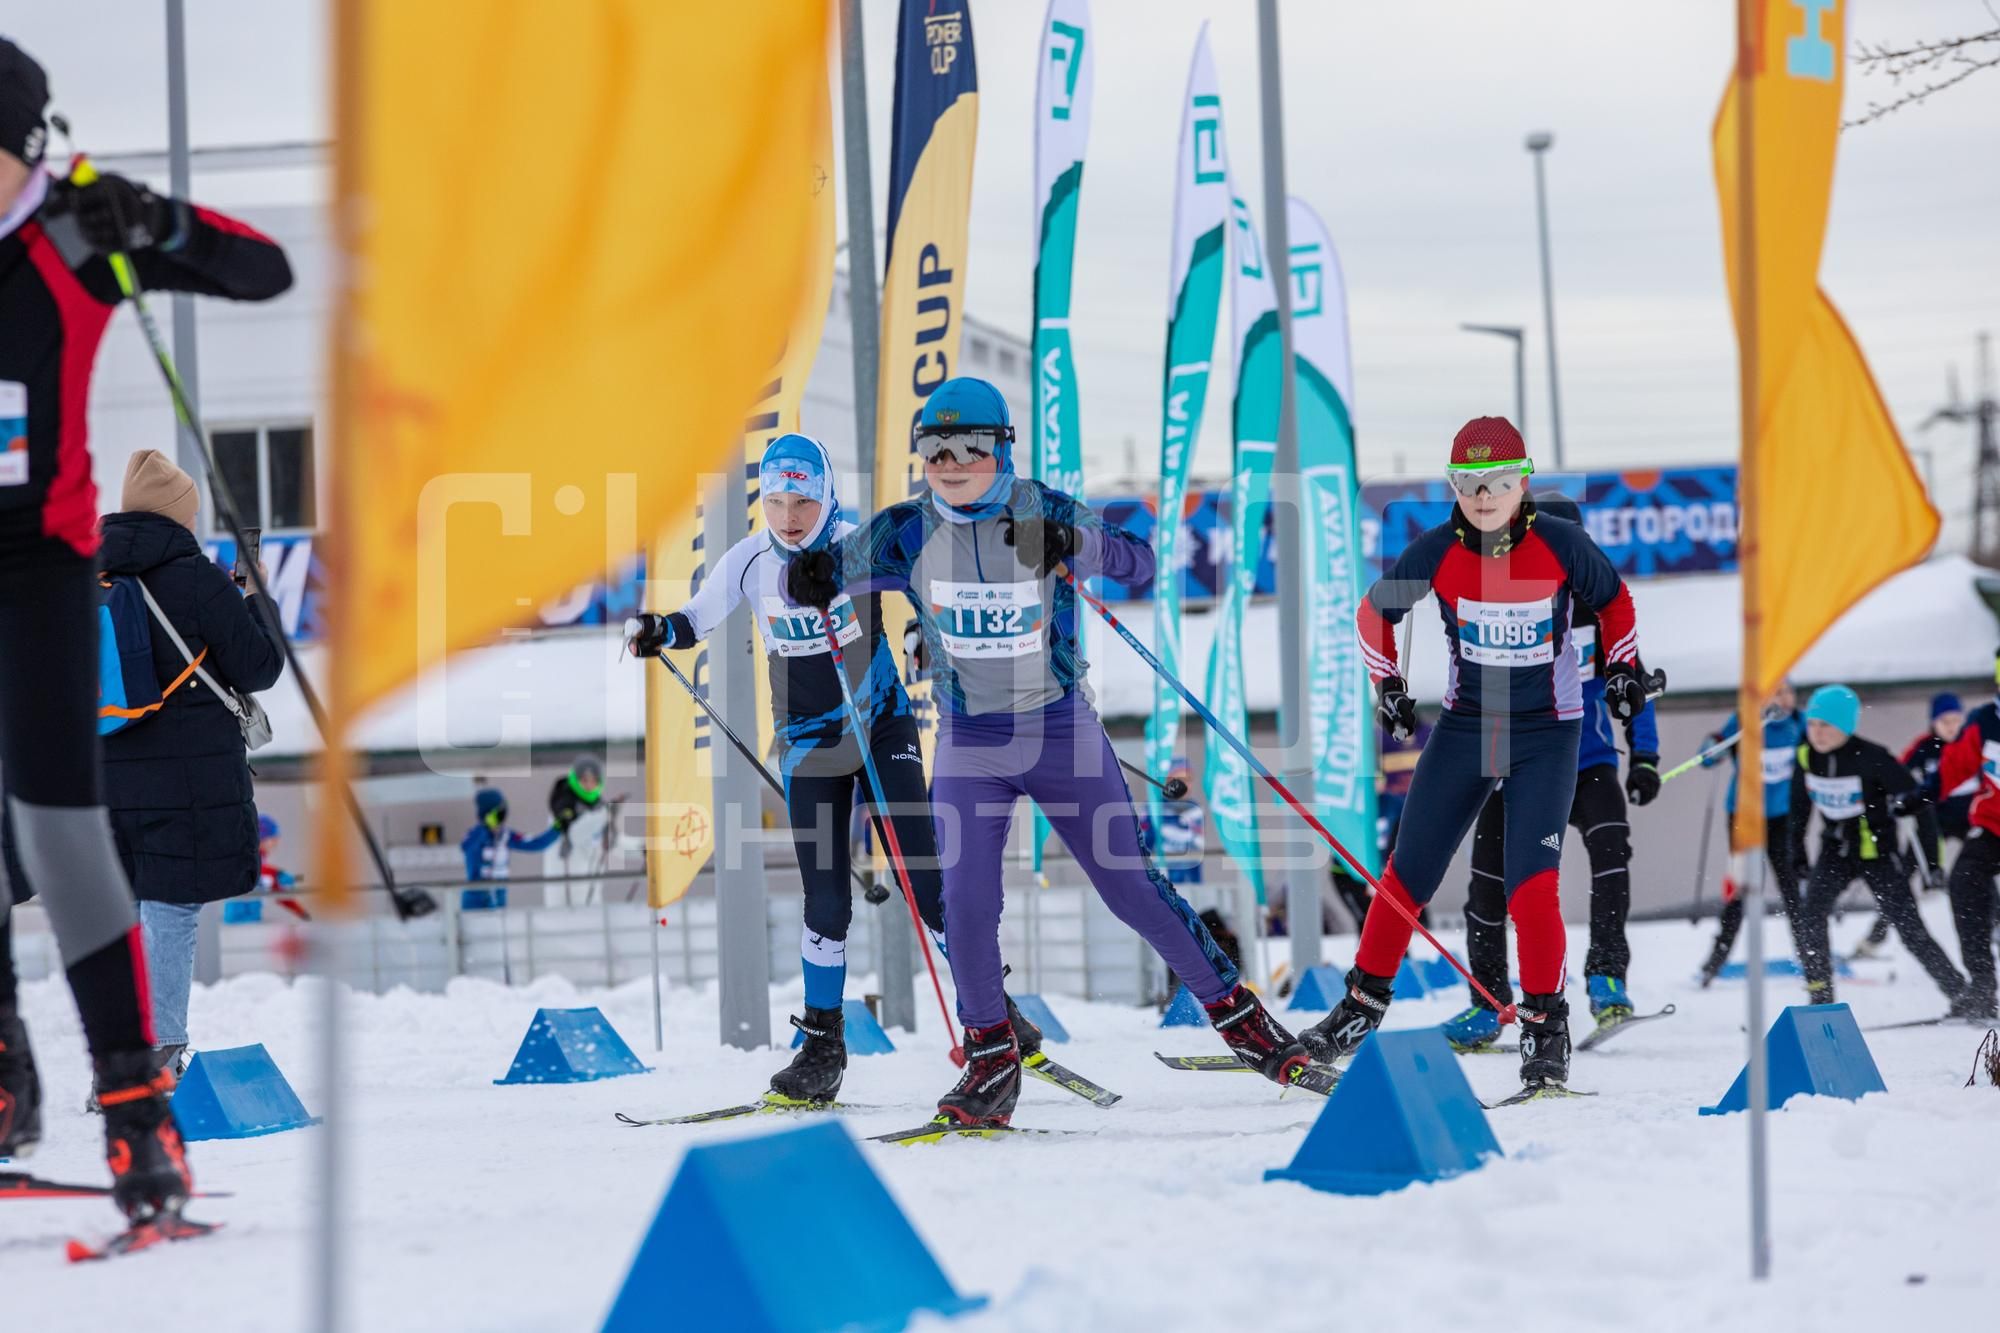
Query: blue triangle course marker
{"x": 1319, "y": 989}
{"x": 571, "y": 1046}
{"x": 864, "y": 1035}
{"x": 237, "y": 1093}
{"x": 1409, "y": 981}
{"x": 1813, "y": 1049}
{"x": 1184, "y": 1012}
{"x": 1403, "y": 1113}
{"x": 1037, "y": 1011}
{"x": 1439, "y": 974}
{"x": 713, "y": 1260}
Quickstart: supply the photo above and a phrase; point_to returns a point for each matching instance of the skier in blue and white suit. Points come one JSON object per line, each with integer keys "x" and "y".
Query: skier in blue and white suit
{"x": 818, "y": 756}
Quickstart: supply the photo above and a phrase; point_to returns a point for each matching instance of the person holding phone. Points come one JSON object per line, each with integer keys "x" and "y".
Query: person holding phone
{"x": 183, "y": 808}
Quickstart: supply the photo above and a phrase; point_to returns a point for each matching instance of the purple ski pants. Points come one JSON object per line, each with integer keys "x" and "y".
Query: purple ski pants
{"x": 1059, "y": 756}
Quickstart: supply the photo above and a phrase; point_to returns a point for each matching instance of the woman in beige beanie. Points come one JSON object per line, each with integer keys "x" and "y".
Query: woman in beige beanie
{"x": 178, "y": 782}
{"x": 154, "y": 485}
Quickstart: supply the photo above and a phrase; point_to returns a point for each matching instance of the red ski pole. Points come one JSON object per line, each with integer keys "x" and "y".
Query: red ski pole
{"x": 890, "y": 842}
{"x": 1506, "y": 1012}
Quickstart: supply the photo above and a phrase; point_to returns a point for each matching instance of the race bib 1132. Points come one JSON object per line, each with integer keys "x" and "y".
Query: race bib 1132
{"x": 988, "y": 619}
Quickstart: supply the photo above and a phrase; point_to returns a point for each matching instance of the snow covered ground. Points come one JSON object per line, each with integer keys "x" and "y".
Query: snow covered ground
{"x": 483, "y": 1207}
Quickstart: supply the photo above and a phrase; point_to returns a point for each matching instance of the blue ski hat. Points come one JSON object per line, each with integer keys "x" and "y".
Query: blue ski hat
{"x": 267, "y": 828}
{"x": 1837, "y": 706}
{"x": 970, "y": 404}
{"x": 488, "y": 800}
{"x": 1945, "y": 703}
{"x": 800, "y": 465}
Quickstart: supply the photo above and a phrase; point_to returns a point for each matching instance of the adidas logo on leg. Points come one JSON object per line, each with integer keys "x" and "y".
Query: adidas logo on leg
{"x": 1553, "y": 842}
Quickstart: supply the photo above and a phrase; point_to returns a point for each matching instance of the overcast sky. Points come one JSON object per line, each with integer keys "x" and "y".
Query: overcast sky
{"x": 1404, "y": 126}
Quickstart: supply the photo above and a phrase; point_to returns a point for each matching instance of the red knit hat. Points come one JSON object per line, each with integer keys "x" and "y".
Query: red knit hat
{"x": 1484, "y": 441}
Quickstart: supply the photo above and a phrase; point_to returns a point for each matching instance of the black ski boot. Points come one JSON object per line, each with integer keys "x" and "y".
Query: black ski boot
{"x": 1544, "y": 1040}
{"x": 1026, "y": 1035}
{"x": 1974, "y": 1004}
{"x": 1359, "y": 1013}
{"x": 1257, "y": 1039}
{"x": 149, "y": 1170}
{"x": 20, "y": 1089}
{"x": 991, "y": 1083}
{"x": 813, "y": 1077}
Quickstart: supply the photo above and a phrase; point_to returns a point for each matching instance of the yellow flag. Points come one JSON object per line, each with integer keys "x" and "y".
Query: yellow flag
{"x": 680, "y": 806}
{"x": 573, "y": 239}
{"x": 1831, "y": 505}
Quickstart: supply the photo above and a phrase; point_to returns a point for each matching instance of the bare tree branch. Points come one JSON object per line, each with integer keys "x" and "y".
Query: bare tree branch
{"x": 1932, "y": 65}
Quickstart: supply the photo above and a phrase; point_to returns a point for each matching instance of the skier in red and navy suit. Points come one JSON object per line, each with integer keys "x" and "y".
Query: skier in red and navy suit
{"x": 1976, "y": 755}
{"x": 1505, "y": 578}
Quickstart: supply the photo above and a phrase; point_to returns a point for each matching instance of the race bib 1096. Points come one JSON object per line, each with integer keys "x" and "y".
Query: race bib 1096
{"x": 988, "y": 619}
{"x": 799, "y": 631}
{"x": 1507, "y": 634}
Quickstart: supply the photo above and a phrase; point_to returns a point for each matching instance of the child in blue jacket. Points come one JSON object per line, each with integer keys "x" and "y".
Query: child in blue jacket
{"x": 489, "y": 845}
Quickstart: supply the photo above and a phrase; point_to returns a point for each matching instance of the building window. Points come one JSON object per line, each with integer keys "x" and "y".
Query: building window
{"x": 269, "y": 472}
{"x": 1008, "y": 362}
{"x": 977, "y": 352}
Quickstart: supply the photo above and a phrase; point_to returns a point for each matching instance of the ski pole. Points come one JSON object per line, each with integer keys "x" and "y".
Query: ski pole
{"x": 1506, "y": 1012}
{"x": 873, "y": 893}
{"x": 1173, "y": 788}
{"x": 1719, "y": 748}
{"x": 1701, "y": 857}
{"x": 890, "y": 842}
{"x": 84, "y": 172}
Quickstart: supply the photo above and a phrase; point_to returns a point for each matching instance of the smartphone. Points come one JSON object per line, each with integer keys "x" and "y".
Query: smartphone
{"x": 246, "y": 554}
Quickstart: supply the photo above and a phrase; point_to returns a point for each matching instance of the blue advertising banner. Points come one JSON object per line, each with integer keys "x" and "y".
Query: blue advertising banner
{"x": 1651, "y": 524}
{"x": 1676, "y": 521}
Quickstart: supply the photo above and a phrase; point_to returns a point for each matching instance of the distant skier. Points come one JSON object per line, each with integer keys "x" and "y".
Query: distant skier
{"x": 1858, "y": 789}
{"x": 980, "y": 554}
{"x": 1597, "y": 812}
{"x": 489, "y": 846}
{"x": 1785, "y": 816}
{"x": 1974, "y": 756}
{"x": 818, "y": 758}
{"x": 1505, "y": 576}
{"x": 57, "y": 295}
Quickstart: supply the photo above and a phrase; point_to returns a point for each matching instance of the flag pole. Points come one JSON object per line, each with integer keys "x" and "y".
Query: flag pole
{"x": 1748, "y": 834}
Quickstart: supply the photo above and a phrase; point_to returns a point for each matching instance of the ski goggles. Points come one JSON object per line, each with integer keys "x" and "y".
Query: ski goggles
{"x": 964, "y": 445}
{"x": 1499, "y": 480}
{"x": 792, "y": 476}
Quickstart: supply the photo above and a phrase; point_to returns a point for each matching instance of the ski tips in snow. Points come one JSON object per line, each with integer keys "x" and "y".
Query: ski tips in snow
{"x": 944, "y": 1127}
{"x": 140, "y": 1236}
{"x": 1539, "y": 1092}
{"x": 1068, "y": 1080}
{"x": 770, "y": 1103}
{"x": 1606, "y": 1030}
{"x": 1311, "y": 1078}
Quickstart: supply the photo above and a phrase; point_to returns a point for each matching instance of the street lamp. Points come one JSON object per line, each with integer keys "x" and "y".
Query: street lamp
{"x": 1539, "y": 144}
{"x": 1520, "y": 337}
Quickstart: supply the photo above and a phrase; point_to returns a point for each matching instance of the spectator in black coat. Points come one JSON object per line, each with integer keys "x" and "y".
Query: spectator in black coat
{"x": 178, "y": 782}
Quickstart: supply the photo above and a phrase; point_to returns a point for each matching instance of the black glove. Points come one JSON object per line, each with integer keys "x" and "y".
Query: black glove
{"x": 916, "y": 659}
{"x": 1625, "y": 689}
{"x": 1934, "y": 878}
{"x": 1642, "y": 779}
{"x": 1042, "y": 543}
{"x": 412, "y": 903}
{"x": 810, "y": 579}
{"x": 647, "y": 633}
{"x": 112, "y": 213}
{"x": 1394, "y": 708}
{"x": 1909, "y": 802}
